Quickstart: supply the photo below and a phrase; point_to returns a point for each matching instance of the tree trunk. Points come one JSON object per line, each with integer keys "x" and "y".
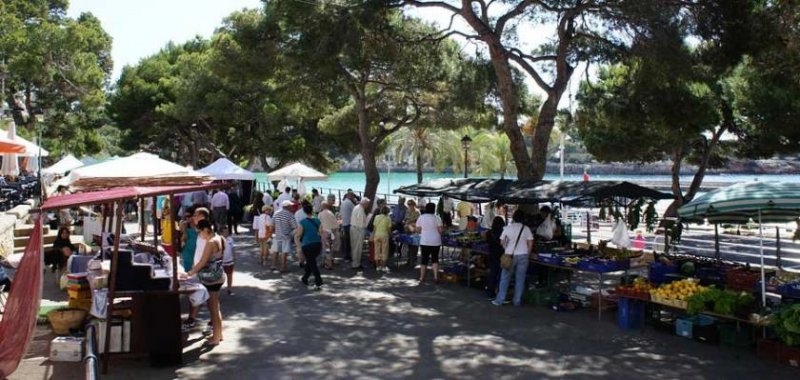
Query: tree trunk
{"x": 510, "y": 101}
{"x": 541, "y": 135}
{"x": 677, "y": 159}
{"x": 368, "y": 148}
{"x": 419, "y": 165}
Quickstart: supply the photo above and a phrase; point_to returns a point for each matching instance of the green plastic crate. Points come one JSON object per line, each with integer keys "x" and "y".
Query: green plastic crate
{"x": 540, "y": 296}
{"x": 740, "y": 337}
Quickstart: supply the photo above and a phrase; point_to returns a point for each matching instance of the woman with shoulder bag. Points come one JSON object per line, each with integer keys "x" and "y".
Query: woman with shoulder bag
{"x": 210, "y": 273}
{"x": 518, "y": 242}
{"x": 307, "y": 235}
{"x": 492, "y": 237}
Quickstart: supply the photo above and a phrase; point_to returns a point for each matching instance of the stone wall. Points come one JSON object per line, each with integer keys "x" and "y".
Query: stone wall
{"x": 7, "y": 224}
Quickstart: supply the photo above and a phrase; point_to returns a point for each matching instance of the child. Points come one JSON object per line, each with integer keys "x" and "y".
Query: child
{"x": 264, "y": 233}
{"x": 229, "y": 257}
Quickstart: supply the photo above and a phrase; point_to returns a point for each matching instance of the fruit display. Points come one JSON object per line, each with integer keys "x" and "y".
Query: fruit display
{"x": 640, "y": 289}
{"x": 677, "y": 292}
{"x": 572, "y": 260}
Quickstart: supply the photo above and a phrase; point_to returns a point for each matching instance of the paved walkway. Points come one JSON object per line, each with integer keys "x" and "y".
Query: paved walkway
{"x": 384, "y": 326}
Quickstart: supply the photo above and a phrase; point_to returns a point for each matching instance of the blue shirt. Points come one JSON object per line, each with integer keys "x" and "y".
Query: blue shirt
{"x": 310, "y": 231}
{"x": 398, "y": 213}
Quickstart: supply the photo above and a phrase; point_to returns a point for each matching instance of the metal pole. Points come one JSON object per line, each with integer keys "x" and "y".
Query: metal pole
{"x": 716, "y": 241}
{"x": 761, "y": 250}
{"x": 777, "y": 246}
{"x": 466, "y": 163}
{"x": 589, "y": 227}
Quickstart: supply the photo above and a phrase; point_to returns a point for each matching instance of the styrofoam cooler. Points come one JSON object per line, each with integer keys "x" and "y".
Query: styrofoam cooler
{"x": 66, "y": 349}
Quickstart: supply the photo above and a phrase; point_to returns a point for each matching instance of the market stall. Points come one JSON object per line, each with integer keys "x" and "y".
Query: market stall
{"x": 149, "y": 323}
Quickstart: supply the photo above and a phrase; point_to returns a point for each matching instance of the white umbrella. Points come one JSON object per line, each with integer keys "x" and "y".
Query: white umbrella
{"x": 224, "y": 169}
{"x": 66, "y": 164}
{"x": 140, "y": 169}
{"x": 10, "y": 165}
{"x": 298, "y": 171}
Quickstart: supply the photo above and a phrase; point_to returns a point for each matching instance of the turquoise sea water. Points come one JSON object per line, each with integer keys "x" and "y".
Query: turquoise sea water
{"x": 356, "y": 180}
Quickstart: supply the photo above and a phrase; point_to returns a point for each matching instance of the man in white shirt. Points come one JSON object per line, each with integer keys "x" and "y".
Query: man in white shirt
{"x": 219, "y": 209}
{"x": 330, "y": 233}
{"x": 358, "y": 225}
{"x": 517, "y": 239}
{"x": 285, "y": 196}
{"x": 316, "y": 201}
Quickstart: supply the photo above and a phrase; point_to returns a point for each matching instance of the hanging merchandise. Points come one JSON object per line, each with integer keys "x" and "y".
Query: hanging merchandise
{"x": 651, "y": 216}
{"x": 620, "y": 235}
{"x": 602, "y": 215}
{"x": 635, "y": 214}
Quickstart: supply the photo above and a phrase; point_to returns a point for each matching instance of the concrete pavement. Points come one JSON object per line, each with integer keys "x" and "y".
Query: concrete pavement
{"x": 384, "y": 326}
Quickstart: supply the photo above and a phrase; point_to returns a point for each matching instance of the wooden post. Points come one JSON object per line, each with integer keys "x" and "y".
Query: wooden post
{"x": 155, "y": 222}
{"x": 112, "y": 285}
{"x": 175, "y": 243}
{"x": 142, "y": 222}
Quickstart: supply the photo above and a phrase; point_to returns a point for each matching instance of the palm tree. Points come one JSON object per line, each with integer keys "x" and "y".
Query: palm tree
{"x": 418, "y": 143}
{"x": 494, "y": 154}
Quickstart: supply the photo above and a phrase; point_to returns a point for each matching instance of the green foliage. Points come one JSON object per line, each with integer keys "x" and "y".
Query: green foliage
{"x": 651, "y": 216}
{"x": 786, "y": 323}
{"x": 55, "y": 65}
{"x": 719, "y": 301}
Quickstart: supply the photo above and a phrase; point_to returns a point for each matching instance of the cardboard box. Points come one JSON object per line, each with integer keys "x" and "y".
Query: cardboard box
{"x": 66, "y": 349}
{"x": 120, "y": 336}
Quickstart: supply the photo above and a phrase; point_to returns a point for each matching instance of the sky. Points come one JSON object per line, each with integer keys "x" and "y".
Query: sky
{"x": 140, "y": 28}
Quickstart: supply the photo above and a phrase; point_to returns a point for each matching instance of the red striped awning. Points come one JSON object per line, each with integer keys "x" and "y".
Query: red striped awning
{"x": 122, "y": 193}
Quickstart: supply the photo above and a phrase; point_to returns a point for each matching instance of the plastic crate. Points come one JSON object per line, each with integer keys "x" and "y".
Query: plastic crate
{"x": 551, "y": 259}
{"x": 741, "y": 279}
{"x": 603, "y": 266}
{"x": 790, "y": 355}
{"x": 768, "y": 349}
{"x": 789, "y": 290}
{"x": 736, "y": 336}
{"x": 658, "y": 273}
{"x": 630, "y": 313}
{"x": 684, "y": 326}
{"x": 541, "y": 296}
{"x": 705, "y": 330}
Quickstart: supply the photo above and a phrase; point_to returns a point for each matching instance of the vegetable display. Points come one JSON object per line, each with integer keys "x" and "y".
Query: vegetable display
{"x": 786, "y": 323}
{"x": 719, "y": 301}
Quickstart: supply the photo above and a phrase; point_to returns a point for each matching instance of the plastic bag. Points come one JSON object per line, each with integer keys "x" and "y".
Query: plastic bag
{"x": 620, "y": 236}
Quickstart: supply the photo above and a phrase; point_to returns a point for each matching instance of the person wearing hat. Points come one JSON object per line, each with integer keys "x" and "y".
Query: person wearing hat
{"x": 285, "y": 224}
{"x": 358, "y": 226}
{"x": 264, "y": 231}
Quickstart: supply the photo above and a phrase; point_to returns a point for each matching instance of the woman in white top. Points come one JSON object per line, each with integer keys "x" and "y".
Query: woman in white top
{"x": 429, "y": 226}
{"x": 518, "y": 241}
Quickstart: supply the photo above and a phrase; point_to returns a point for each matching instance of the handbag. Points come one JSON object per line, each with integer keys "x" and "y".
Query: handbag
{"x": 212, "y": 273}
{"x": 507, "y": 261}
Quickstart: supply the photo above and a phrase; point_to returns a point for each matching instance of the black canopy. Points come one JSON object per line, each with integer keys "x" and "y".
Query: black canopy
{"x": 437, "y": 187}
{"x": 574, "y": 192}
{"x": 485, "y": 190}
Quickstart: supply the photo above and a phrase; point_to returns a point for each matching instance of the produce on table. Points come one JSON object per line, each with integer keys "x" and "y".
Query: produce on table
{"x": 724, "y": 302}
{"x": 677, "y": 290}
{"x": 786, "y": 323}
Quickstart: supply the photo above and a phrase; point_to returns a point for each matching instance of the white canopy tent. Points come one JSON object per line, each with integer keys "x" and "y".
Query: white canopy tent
{"x": 296, "y": 171}
{"x": 223, "y": 170}
{"x": 10, "y": 165}
{"x": 140, "y": 169}
{"x": 64, "y": 165}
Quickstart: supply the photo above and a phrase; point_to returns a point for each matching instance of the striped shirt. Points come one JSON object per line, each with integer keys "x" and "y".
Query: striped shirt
{"x": 285, "y": 223}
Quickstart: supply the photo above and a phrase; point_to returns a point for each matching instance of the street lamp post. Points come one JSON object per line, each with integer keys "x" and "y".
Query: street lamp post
{"x": 465, "y": 141}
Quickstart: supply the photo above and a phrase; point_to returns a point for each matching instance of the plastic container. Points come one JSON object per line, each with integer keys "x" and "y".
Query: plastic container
{"x": 740, "y": 337}
{"x": 684, "y": 327}
{"x": 630, "y": 313}
{"x": 658, "y": 273}
{"x": 541, "y": 296}
{"x": 768, "y": 349}
{"x": 551, "y": 259}
{"x": 705, "y": 330}
{"x": 603, "y": 266}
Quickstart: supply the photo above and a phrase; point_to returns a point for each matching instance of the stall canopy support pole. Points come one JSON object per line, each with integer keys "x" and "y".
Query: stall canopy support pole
{"x": 175, "y": 242}
{"x": 112, "y": 285}
{"x": 778, "y": 247}
{"x": 155, "y": 222}
{"x": 589, "y": 227}
{"x": 142, "y": 222}
{"x": 761, "y": 251}
{"x": 716, "y": 241}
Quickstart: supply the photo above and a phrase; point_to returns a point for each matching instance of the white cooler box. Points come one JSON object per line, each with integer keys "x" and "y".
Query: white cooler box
{"x": 66, "y": 349}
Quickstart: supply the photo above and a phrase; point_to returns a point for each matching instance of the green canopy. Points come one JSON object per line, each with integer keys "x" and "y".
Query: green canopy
{"x": 778, "y": 202}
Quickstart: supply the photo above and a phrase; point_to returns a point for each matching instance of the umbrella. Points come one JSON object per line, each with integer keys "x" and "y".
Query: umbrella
{"x": 10, "y": 165}
{"x": 223, "y": 169}
{"x": 761, "y": 201}
{"x": 30, "y": 149}
{"x": 140, "y": 169}
{"x": 64, "y": 165}
{"x": 297, "y": 171}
